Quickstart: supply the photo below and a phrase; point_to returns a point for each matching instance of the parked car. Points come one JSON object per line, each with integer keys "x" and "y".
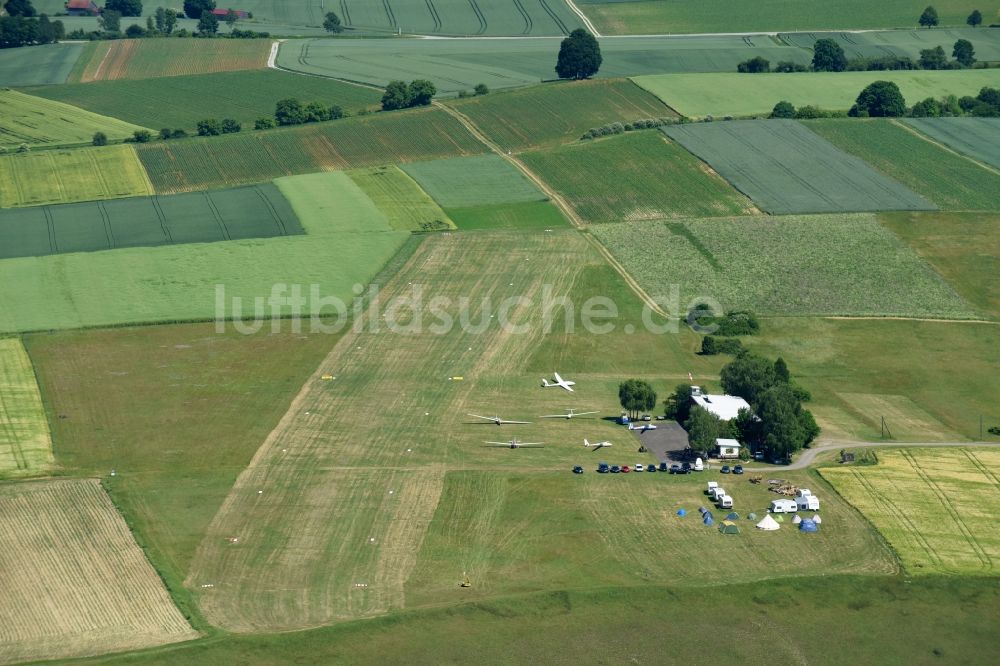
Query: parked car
{"x": 647, "y": 417}
{"x": 686, "y": 468}
{"x": 602, "y": 468}
{"x": 615, "y": 469}
{"x": 738, "y": 469}
{"x": 725, "y": 469}
{"x": 664, "y": 467}
{"x": 578, "y": 470}
{"x": 626, "y": 469}
{"x": 675, "y": 469}
{"x": 651, "y": 468}
{"x": 639, "y": 467}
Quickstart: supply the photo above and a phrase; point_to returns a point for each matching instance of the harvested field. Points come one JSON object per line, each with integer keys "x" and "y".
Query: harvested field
{"x": 75, "y": 581}
{"x": 785, "y": 168}
{"x": 831, "y": 265}
{"x": 181, "y": 101}
{"x": 237, "y": 159}
{"x": 652, "y": 178}
{"x": 150, "y": 58}
{"x": 948, "y": 180}
{"x": 558, "y": 113}
{"x": 935, "y": 506}
{"x": 38, "y": 65}
{"x": 474, "y": 181}
{"x": 65, "y": 176}
{"x": 25, "y": 442}
{"x": 399, "y": 197}
{"x": 256, "y": 211}
{"x": 978, "y": 138}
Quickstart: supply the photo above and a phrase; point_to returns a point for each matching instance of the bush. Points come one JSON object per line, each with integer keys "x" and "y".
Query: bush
{"x": 135, "y": 31}
{"x": 462, "y": 94}
{"x": 809, "y": 111}
{"x": 141, "y": 136}
{"x": 178, "y": 133}
{"x": 336, "y": 112}
{"x": 928, "y": 108}
{"x": 263, "y": 123}
{"x": 783, "y": 109}
{"x": 711, "y": 345}
{"x": 756, "y": 65}
{"x": 209, "y": 127}
{"x": 100, "y": 139}
{"x": 789, "y": 66}
{"x": 481, "y": 89}
{"x": 230, "y": 126}
{"x": 166, "y": 133}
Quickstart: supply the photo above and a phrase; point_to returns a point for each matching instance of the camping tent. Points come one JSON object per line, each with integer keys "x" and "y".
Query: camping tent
{"x": 779, "y": 517}
{"x": 816, "y": 519}
{"x": 728, "y": 527}
{"x": 796, "y": 519}
{"x": 702, "y": 510}
{"x": 681, "y": 512}
{"x": 808, "y": 526}
{"x": 708, "y": 520}
{"x": 733, "y": 516}
{"x": 769, "y": 524}
{"x": 751, "y": 516}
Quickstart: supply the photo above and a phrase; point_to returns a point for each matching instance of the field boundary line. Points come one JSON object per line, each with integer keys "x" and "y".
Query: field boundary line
{"x": 927, "y": 319}
{"x": 583, "y": 17}
{"x": 564, "y": 207}
{"x": 945, "y": 147}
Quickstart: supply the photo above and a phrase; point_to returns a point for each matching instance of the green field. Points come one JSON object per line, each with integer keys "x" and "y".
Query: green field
{"x": 65, "y": 176}
{"x": 907, "y": 43}
{"x": 948, "y": 180}
{"x": 473, "y": 181}
{"x": 649, "y": 178}
{"x": 937, "y": 389}
{"x": 525, "y": 215}
{"x": 150, "y": 58}
{"x": 399, "y": 197}
{"x": 963, "y": 247}
{"x": 178, "y": 283}
{"x": 38, "y": 65}
{"x": 25, "y": 119}
{"x": 645, "y": 17}
{"x": 976, "y": 137}
{"x": 698, "y": 95}
{"x": 831, "y": 265}
{"x": 558, "y": 113}
{"x": 932, "y": 505}
{"x": 250, "y": 157}
{"x": 332, "y": 199}
{"x": 785, "y": 168}
{"x": 25, "y": 442}
{"x": 257, "y": 211}
{"x": 181, "y": 101}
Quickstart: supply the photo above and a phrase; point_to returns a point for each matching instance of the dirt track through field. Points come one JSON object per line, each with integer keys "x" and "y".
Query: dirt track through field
{"x": 327, "y": 521}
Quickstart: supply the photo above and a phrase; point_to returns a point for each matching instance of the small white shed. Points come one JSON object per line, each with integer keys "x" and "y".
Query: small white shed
{"x": 727, "y": 448}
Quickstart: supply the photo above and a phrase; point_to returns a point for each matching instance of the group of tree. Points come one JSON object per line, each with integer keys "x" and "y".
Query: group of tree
{"x": 23, "y": 26}
{"x": 984, "y": 105}
{"x": 400, "y": 95}
{"x": 620, "y": 128}
{"x": 291, "y": 111}
{"x": 776, "y": 423}
{"x": 213, "y": 127}
{"x": 579, "y": 56}
{"x": 929, "y": 18}
{"x": 636, "y": 396}
{"x": 883, "y": 99}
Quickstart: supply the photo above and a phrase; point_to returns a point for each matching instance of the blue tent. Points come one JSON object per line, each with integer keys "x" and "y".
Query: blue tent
{"x": 808, "y": 525}
{"x": 681, "y": 512}
{"x": 733, "y": 516}
{"x": 702, "y": 510}
{"x": 708, "y": 520}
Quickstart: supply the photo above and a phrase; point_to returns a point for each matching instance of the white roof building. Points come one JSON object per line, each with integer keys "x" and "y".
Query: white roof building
{"x": 726, "y": 407}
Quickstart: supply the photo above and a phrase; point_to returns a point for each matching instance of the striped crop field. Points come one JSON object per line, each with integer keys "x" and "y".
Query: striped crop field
{"x": 252, "y": 157}
{"x": 75, "y": 581}
{"x": 934, "y": 506}
{"x": 65, "y": 176}
{"x": 978, "y": 138}
{"x": 652, "y": 178}
{"x": 558, "y": 113}
{"x": 399, "y": 197}
{"x": 150, "y": 58}
{"x": 25, "y": 442}
{"x": 785, "y": 168}
{"x": 30, "y": 120}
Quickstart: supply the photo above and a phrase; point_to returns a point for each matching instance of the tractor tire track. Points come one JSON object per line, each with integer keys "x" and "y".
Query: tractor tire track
{"x": 891, "y": 509}
{"x": 434, "y": 15}
{"x": 388, "y": 14}
{"x": 555, "y": 17}
{"x": 345, "y": 12}
{"x": 479, "y": 15}
{"x": 984, "y": 470}
{"x": 527, "y": 17}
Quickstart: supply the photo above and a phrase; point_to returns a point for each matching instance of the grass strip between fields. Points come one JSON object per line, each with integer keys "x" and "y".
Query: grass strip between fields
{"x": 25, "y": 441}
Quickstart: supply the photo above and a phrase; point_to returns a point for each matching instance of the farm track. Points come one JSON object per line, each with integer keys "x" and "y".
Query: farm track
{"x": 564, "y": 207}
{"x": 809, "y": 455}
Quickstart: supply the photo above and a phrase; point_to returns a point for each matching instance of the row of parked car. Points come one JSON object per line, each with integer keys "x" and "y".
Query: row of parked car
{"x": 738, "y": 469}
{"x": 676, "y": 468}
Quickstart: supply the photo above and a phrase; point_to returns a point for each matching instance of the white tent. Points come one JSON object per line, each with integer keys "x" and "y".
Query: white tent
{"x": 796, "y": 520}
{"x": 769, "y": 524}
{"x": 816, "y": 519}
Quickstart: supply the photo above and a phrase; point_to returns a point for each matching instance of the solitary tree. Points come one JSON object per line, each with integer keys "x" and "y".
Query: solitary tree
{"x": 828, "y": 56}
{"x": 331, "y": 23}
{"x": 125, "y": 7}
{"x": 975, "y": 18}
{"x": 783, "y": 109}
{"x": 481, "y": 89}
{"x": 929, "y": 18}
{"x": 208, "y": 24}
{"x": 396, "y": 96}
{"x": 19, "y": 8}
{"x": 421, "y": 92}
{"x": 110, "y": 21}
{"x": 100, "y": 139}
{"x": 703, "y": 428}
{"x": 878, "y": 100}
{"x": 195, "y": 8}
{"x": 964, "y": 52}
{"x": 579, "y": 56}
{"x": 636, "y": 396}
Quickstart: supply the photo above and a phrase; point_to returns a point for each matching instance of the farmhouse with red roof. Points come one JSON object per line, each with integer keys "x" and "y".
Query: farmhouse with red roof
{"x": 222, "y": 13}
{"x": 82, "y": 8}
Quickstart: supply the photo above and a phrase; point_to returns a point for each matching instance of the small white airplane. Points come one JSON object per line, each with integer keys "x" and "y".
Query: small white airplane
{"x": 568, "y": 415}
{"x": 497, "y": 420}
{"x": 559, "y": 381}
{"x": 515, "y": 444}
{"x": 597, "y": 445}
{"x": 642, "y": 428}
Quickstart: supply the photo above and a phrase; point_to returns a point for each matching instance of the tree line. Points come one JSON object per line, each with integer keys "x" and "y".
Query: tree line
{"x": 23, "y": 26}
{"x": 883, "y": 99}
